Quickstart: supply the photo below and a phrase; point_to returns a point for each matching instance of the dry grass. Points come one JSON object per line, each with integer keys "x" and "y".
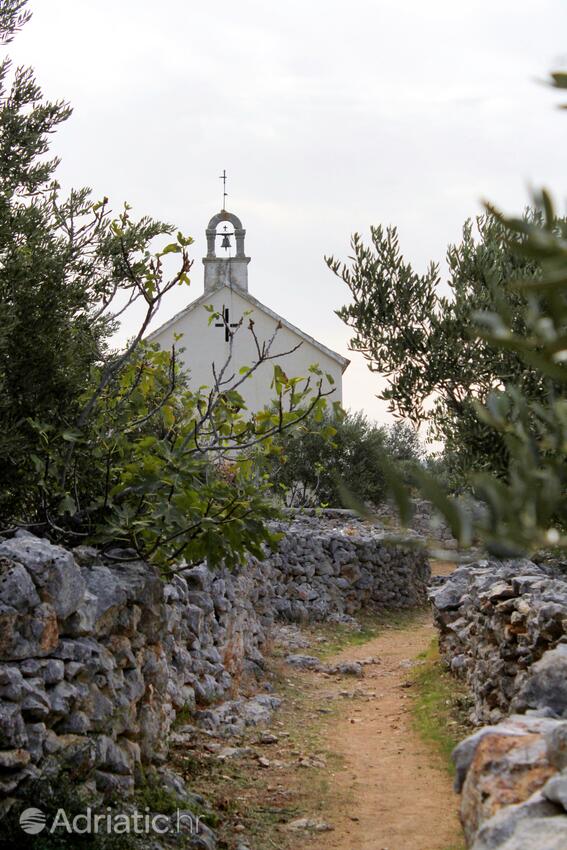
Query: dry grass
{"x": 440, "y": 706}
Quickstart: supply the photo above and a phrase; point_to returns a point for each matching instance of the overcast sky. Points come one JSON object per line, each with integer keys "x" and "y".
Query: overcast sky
{"x": 328, "y": 116}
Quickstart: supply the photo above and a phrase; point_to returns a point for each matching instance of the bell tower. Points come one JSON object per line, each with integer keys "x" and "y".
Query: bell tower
{"x": 228, "y": 270}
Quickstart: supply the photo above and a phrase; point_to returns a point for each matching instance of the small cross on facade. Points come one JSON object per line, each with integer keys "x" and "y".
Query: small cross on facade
{"x": 226, "y": 324}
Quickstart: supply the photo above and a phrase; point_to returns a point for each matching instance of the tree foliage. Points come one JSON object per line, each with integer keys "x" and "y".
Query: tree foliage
{"x": 165, "y": 471}
{"x": 102, "y": 444}
{"x": 64, "y": 263}
{"x": 421, "y": 334}
{"x": 526, "y": 509}
{"x": 331, "y": 459}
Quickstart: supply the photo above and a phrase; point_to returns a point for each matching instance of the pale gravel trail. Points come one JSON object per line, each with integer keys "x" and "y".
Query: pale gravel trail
{"x": 399, "y": 795}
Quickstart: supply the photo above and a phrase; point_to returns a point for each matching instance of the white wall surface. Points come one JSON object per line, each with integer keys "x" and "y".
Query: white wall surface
{"x": 205, "y": 344}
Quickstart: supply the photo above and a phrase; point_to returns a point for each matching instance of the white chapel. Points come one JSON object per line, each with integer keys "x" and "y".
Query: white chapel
{"x": 206, "y": 343}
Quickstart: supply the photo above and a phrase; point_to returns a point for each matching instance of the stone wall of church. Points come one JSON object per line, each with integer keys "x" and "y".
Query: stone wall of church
{"x": 97, "y": 658}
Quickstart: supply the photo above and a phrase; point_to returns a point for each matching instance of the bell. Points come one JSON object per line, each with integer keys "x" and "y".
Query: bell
{"x": 225, "y": 242}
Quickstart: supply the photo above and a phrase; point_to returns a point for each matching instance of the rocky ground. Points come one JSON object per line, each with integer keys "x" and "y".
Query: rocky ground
{"x": 322, "y": 738}
{"x": 340, "y": 764}
{"x": 317, "y": 739}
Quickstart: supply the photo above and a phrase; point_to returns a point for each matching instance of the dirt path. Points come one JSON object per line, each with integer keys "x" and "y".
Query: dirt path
{"x": 399, "y": 795}
{"x": 340, "y": 750}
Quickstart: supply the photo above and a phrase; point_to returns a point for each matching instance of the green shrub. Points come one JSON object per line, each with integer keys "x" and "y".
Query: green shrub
{"x": 327, "y": 461}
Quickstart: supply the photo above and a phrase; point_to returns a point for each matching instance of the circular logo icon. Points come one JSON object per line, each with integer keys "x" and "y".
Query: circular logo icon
{"x": 32, "y": 821}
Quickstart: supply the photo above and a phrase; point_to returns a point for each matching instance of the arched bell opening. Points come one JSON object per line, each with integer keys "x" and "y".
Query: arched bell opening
{"x": 225, "y": 236}
{"x": 226, "y": 263}
{"x": 225, "y": 240}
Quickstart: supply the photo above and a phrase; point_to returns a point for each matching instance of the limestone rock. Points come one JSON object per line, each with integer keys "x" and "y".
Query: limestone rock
{"x": 53, "y": 570}
{"x": 310, "y": 825}
{"x": 515, "y": 827}
{"x": 305, "y": 662}
{"x": 10, "y": 759}
{"x": 506, "y": 768}
{"x": 16, "y": 586}
{"x": 12, "y": 727}
{"x": 348, "y": 668}
{"x": 555, "y": 790}
{"x": 24, "y": 634}
{"x": 546, "y": 684}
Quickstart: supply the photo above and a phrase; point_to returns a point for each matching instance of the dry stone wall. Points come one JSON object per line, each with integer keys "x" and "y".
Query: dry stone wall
{"x": 513, "y": 780}
{"x": 98, "y": 657}
{"x": 503, "y": 629}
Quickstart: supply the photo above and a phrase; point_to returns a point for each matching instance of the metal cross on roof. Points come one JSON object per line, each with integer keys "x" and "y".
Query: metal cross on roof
{"x": 226, "y": 324}
{"x": 223, "y": 177}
